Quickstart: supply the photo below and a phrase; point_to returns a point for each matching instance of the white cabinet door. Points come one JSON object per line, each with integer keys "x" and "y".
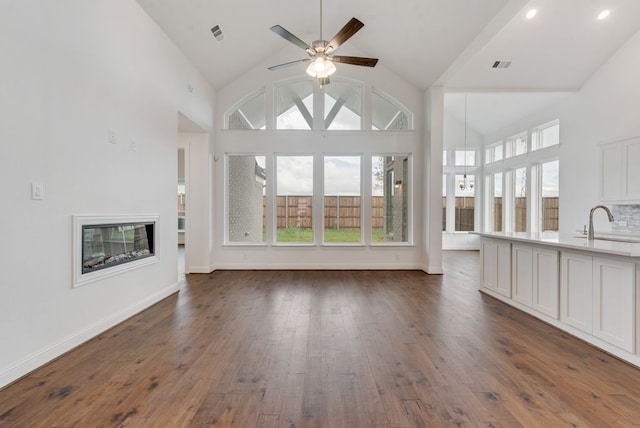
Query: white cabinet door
{"x": 488, "y": 264}
{"x": 522, "y": 274}
{"x": 545, "y": 281}
{"x": 576, "y": 291}
{"x": 495, "y": 266}
{"x": 503, "y": 270}
{"x": 619, "y": 172}
{"x": 614, "y": 302}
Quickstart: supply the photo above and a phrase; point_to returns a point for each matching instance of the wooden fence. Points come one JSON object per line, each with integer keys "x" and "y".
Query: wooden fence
{"x": 343, "y": 212}
{"x": 465, "y": 213}
{"x": 340, "y": 212}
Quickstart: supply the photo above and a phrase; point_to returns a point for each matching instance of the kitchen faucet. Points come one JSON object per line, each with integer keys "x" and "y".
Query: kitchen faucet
{"x": 590, "y": 235}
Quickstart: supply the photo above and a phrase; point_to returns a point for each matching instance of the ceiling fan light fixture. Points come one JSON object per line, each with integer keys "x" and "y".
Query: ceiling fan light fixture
{"x": 321, "y": 67}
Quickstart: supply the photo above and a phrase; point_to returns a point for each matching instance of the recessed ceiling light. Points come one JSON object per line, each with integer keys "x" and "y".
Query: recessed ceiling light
{"x": 531, "y": 13}
{"x": 604, "y": 14}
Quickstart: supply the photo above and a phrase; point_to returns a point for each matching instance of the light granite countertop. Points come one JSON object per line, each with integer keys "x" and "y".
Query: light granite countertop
{"x": 574, "y": 241}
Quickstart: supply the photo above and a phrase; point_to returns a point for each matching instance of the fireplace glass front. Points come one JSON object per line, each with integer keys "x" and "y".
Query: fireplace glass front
{"x": 107, "y": 245}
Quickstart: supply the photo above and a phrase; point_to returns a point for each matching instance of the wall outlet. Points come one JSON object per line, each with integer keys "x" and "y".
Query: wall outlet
{"x": 622, "y": 223}
{"x": 112, "y": 136}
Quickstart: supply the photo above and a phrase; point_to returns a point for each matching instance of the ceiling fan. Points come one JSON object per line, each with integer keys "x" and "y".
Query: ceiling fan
{"x": 320, "y": 51}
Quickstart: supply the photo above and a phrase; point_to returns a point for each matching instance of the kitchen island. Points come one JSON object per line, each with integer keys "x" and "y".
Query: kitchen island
{"x": 590, "y": 289}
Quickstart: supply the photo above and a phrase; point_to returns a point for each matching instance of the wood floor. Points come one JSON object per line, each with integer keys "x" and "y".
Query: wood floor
{"x": 330, "y": 349}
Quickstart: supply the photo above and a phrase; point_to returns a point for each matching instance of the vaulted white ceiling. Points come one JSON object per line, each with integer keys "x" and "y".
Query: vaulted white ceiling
{"x": 452, "y": 43}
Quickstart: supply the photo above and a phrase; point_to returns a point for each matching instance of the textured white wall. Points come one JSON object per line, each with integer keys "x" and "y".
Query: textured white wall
{"x": 72, "y": 71}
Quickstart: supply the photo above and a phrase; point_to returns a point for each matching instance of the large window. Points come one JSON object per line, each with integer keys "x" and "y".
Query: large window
{"x": 342, "y": 202}
{"x": 294, "y": 199}
{"x": 390, "y": 198}
{"x": 302, "y": 189}
{"x": 523, "y": 191}
{"x": 246, "y": 181}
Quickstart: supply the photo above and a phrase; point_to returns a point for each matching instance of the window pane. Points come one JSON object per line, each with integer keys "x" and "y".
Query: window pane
{"x": 550, "y": 195}
{"x": 342, "y": 199}
{"x": 390, "y": 189}
{"x": 444, "y": 157}
{"x": 465, "y": 203}
{"x": 465, "y": 157}
{"x": 388, "y": 116}
{"x": 550, "y": 136}
{"x": 497, "y": 202}
{"x": 294, "y": 106}
{"x": 516, "y": 146}
{"x": 250, "y": 115}
{"x": 246, "y": 177}
{"x": 294, "y": 197}
{"x": 342, "y": 106}
{"x": 520, "y": 199}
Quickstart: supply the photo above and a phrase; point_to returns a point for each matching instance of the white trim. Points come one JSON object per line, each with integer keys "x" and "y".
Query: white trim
{"x": 79, "y": 221}
{"x": 31, "y": 362}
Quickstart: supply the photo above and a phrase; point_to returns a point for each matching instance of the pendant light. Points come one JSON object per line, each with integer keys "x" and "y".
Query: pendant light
{"x": 465, "y": 183}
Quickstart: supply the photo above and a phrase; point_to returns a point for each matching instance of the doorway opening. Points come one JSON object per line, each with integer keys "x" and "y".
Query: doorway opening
{"x": 191, "y": 138}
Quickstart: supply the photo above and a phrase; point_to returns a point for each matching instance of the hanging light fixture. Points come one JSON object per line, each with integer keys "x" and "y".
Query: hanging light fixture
{"x": 321, "y": 67}
{"x": 465, "y": 183}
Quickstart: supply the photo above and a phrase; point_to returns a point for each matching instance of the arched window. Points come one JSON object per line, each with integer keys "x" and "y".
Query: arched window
{"x": 250, "y": 113}
{"x": 342, "y": 108}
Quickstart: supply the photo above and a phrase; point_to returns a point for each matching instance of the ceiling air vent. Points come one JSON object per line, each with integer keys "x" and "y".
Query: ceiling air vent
{"x": 501, "y": 64}
{"x": 217, "y": 33}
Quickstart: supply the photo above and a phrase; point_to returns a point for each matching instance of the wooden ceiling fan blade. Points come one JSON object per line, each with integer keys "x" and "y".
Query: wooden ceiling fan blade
{"x": 287, "y": 64}
{"x": 355, "y": 60}
{"x": 285, "y": 34}
{"x": 351, "y": 28}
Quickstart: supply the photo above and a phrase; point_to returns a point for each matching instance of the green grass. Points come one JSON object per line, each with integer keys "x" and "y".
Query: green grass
{"x": 295, "y": 234}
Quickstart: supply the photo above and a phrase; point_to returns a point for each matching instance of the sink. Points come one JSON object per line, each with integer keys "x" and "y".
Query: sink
{"x": 613, "y": 239}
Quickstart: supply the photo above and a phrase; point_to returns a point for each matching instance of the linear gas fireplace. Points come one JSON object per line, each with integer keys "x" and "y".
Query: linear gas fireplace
{"x": 109, "y": 245}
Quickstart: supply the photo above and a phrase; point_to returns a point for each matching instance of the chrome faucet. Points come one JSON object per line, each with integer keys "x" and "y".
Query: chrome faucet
{"x": 590, "y": 235}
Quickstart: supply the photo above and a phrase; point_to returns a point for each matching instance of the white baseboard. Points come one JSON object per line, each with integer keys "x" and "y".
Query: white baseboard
{"x": 317, "y": 266}
{"x": 200, "y": 269}
{"x": 31, "y": 362}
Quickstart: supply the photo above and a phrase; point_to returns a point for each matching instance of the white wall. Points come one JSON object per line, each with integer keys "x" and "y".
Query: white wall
{"x": 71, "y": 72}
{"x": 605, "y": 109}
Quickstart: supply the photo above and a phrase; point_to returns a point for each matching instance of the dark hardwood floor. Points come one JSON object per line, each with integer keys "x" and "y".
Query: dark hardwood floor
{"x": 330, "y": 349}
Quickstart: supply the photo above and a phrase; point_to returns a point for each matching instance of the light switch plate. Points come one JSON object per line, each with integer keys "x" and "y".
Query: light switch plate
{"x": 37, "y": 191}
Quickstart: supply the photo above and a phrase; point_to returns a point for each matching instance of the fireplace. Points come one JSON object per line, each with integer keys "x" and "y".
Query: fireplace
{"x": 109, "y": 245}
